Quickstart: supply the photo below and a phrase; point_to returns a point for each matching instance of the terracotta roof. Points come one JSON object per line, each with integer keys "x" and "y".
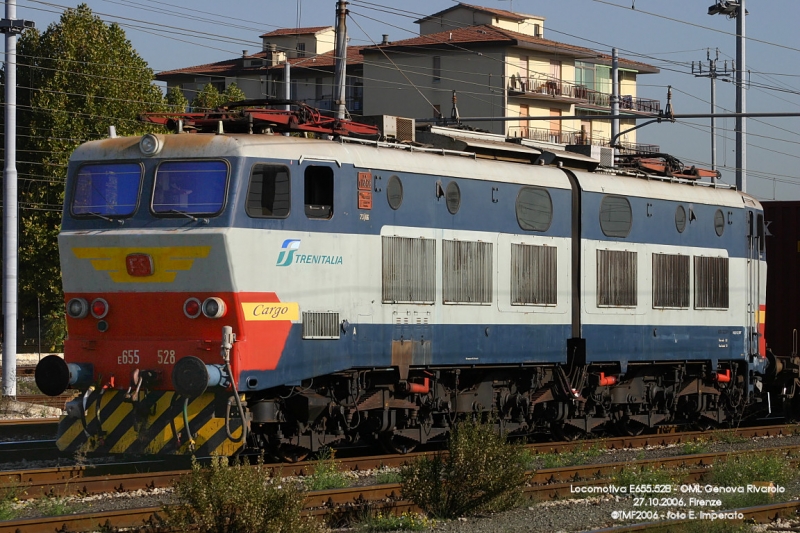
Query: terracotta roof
{"x": 296, "y": 31}
{"x": 492, "y": 34}
{"x": 234, "y": 66}
{"x": 496, "y": 12}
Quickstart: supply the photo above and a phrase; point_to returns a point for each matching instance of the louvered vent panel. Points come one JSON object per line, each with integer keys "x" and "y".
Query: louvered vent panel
{"x": 710, "y": 282}
{"x": 616, "y": 278}
{"x": 405, "y": 129}
{"x": 534, "y": 275}
{"x": 409, "y": 270}
{"x": 467, "y": 272}
{"x": 320, "y": 325}
{"x": 670, "y": 281}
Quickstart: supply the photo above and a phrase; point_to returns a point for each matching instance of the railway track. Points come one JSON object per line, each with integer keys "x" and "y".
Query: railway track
{"x": 23, "y": 370}
{"x": 28, "y": 428}
{"x": 48, "y": 479}
{"x": 546, "y": 484}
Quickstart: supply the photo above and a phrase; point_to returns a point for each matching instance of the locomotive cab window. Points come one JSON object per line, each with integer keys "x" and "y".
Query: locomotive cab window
{"x": 268, "y": 192}
{"x": 190, "y": 188}
{"x": 319, "y": 192}
{"x": 106, "y": 190}
{"x": 615, "y": 216}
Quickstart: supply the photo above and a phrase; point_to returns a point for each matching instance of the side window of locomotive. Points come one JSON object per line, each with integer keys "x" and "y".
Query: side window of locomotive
{"x": 394, "y": 192}
{"x": 106, "y": 189}
{"x": 269, "y": 192}
{"x": 534, "y": 209}
{"x": 680, "y": 219}
{"x": 318, "y": 192}
{"x": 190, "y": 188}
{"x": 719, "y": 222}
{"x": 615, "y": 216}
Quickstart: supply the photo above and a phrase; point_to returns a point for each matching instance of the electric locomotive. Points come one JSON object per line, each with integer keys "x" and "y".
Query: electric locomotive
{"x": 245, "y": 288}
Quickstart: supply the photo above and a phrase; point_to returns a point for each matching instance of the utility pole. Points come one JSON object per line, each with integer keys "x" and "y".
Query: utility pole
{"x": 735, "y": 9}
{"x": 340, "y": 68}
{"x": 614, "y": 93}
{"x": 713, "y": 73}
{"x": 12, "y": 28}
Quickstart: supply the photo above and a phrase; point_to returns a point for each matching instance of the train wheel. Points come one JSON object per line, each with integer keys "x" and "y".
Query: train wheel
{"x": 628, "y": 428}
{"x": 392, "y": 443}
{"x": 567, "y": 432}
{"x": 289, "y": 453}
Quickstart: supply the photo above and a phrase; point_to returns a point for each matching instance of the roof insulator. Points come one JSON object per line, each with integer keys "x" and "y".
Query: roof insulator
{"x": 220, "y": 130}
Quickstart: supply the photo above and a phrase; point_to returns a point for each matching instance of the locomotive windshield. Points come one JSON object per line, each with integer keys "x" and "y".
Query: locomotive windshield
{"x": 190, "y": 187}
{"x": 107, "y": 189}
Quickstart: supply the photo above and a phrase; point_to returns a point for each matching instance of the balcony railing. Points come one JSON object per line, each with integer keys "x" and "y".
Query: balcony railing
{"x": 535, "y": 87}
{"x": 577, "y": 137}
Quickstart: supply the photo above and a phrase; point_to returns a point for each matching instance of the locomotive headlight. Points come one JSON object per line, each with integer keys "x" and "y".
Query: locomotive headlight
{"x": 99, "y": 308}
{"x": 191, "y": 308}
{"x": 77, "y": 308}
{"x": 149, "y": 145}
{"x": 214, "y": 308}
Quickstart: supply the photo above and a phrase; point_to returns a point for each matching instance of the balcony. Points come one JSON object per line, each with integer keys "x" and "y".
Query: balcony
{"x": 576, "y": 137}
{"x": 538, "y": 88}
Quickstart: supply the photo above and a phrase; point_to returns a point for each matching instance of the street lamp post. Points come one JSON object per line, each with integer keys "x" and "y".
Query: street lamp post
{"x": 736, "y": 9}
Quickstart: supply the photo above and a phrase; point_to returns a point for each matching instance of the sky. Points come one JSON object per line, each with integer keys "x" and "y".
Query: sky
{"x": 670, "y": 35}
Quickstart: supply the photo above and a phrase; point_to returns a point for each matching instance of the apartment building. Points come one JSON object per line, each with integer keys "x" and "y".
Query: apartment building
{"x": 501, "y": 65}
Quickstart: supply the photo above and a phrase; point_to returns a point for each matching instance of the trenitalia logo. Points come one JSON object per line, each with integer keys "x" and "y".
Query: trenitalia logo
{"x": 288, "y": 248}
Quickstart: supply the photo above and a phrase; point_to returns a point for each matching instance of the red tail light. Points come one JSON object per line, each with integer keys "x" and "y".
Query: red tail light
{"x": 192, "y": 308}
{"x": 99, "y": 308}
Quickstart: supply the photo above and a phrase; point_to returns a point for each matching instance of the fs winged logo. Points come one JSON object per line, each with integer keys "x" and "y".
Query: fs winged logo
{"x": 288, "y": 248}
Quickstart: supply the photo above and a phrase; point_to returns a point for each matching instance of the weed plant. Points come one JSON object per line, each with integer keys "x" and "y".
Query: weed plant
{"x": 237, "y": 498}
{"x": 740, "y": 471}
{"x": 52, "y": 506}
{"x": 481, "y": 473}
{"x": 8, "y": 497}
{"x": 380, "y": 521}
{"x": 694, "y": 447}
{"x": 326, "y": 474}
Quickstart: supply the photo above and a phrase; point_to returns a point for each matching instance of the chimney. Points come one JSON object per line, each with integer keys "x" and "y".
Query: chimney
{"x": 385, "y": 39}
{"x": 244, "y": 53}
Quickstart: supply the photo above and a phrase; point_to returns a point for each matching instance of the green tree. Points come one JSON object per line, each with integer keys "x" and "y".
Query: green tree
{"x": 176, "y": 101}
{"x": 207, "y": 98}
{"x": 75, "y": 79}
{"x": 210, "y": 97}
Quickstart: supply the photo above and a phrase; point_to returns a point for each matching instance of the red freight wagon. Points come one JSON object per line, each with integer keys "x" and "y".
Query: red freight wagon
{"x": 783, "y": 276}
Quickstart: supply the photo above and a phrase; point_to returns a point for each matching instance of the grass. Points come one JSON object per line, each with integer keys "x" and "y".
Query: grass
{"x": 52, "y": 506}
{"x": 755, "y": 468}
{"x": 647, "y": 476}
{"x": 578, "y": 456}
{"x": 730, "y": 438}
{"x": 387, "y": 476}
{"x": 326, "y": 473}
{"x": 375, "y": 522}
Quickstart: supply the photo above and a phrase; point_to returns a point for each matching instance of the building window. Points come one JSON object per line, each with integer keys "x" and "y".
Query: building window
{"x": 555, "y": 126}
{"x": 268, "y": 192}
{"x": 301, "y": 49}
{"x": 616, "y": 278}
{"x": 409, "y": 270}
{"x": 534, "y": 209}
{"x": 467, "y": 272}
{"x": 319, "y": 192}
{"x": 710, "y": 282}
{"x": 615, "y": 216}
{"x": 670, "y": 281}
{"x": 534, "y": 275}
{"x": 437, "y": 68}
{"x": 318, "y": 86}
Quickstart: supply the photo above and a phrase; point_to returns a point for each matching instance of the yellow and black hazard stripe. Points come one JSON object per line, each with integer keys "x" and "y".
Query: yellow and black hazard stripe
{"x": 152, "y": 424}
